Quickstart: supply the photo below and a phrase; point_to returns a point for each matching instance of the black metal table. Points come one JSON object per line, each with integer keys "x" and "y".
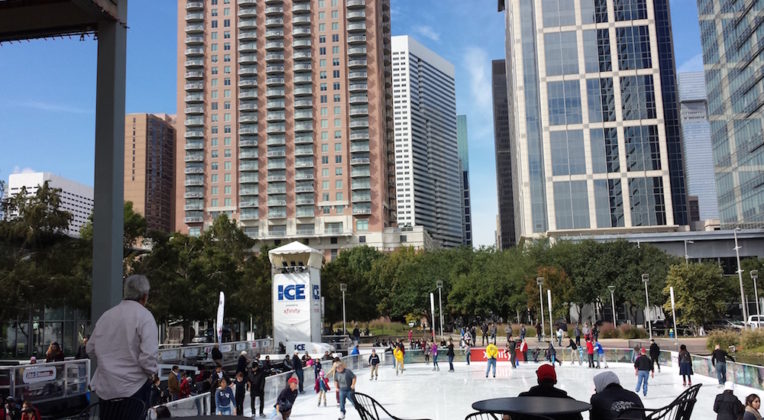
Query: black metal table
{"x": 531, "y": 405}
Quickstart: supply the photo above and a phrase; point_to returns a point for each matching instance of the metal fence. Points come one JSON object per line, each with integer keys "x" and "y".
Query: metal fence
{"x": 44, "y": 382}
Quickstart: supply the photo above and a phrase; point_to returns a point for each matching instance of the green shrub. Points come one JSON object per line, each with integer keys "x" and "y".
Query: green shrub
{"x": 631, "y": 332}
{"x": 752, "y": 340}
{"x": 724, "y": 338}
{"x": 608, "y": 331}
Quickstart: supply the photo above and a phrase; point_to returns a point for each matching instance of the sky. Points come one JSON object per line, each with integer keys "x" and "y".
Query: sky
{"x": 47, "y": 88}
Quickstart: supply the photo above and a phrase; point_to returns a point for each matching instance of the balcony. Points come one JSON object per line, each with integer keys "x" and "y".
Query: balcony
{"x": 276, "y": 178}
{"x": 194, "y": 157}
{"x": 274, "y": 33}
{"x": 303, "y": 138}
{"x": 304, "y": 163}
{"x": 303, "y": 103}
{"x": 302, "y": 91}
{"x": 274, "y": 10}
{"x": 194, "y": 74}
{"x": 195, "y": 17}
{"x": 247, "y": 93}
{"x": 248, "y": 214}
{"x": 195, "y": 97}
{"x": 301, "y": 20}
{"x": 194, "y": 39}
{"x": 359, "y": 99}
{"x": 194, "y": 28}
{"x": 247, "y": 12}
{"x": 301, "y": 8}
{"x": 195, "y": 62}
{"x": 359, "y": 123}
{"x": 195, "y": 181}
{"x": 277, "y": 153}
{"x": 193, "y": 219}
{"x": 195, "y": 5}
{"x": 274, "y": 68}
{"x": 276, "y": 213}
{"x": 279, "y": 164}
{"x": 356, "y": 15}
{"x": 271, "y": 22}
{"x": 275, "y": 116}
{"x": 356, "y": 63}
{"x": 275, "y": 104}
{"x": 194, "y": 110}
{"x": 359, "y": 136}
{"x": 194, "y": 169}
{"x": 359, "y": 147}
{"x": 300, "y": 31}
{"x": 249, "y": 179}
{"x": 306, "y": 230}
{"x": 303, "y": 115}
{"x": 248, "y": 106}
{"x": 300, "y": 67}
{"x": 248, "y": 59}
{"x": 304, "y": 176}
{"x": 357, "y": 75}
{"x": 249, "y": 190}
{"x": 361, "y": 210}
{"x": 304, "y": 188}
{"x": 359, "y": 161}
{"x": 357, "y": 39}
{"x": 249, "y": 117}
{"x": 248, "y": 47}
{"x": 194, "y": 205}
{"x": 277, "y": 140}
{"x": 360, "y": 184}
{"x": 248, "y": 82}
{"x": 194, "y": 145}
{"x": 352, "y": 4}
{"x": 358, "y": 87}
{"x": 273, "y": 92}
{"x": 245, "y": 129}
{"x": 194, "y": 51}
{"x": 194, "y": 134}
{"x": 247, "y": 23}
{"x": 359, "y": 110}
{"x": 247, "y": 70}
{"x": 194, "y": 121}
{"x": 274, "y": 45}
{"x": 248, "y": 154}
{"x": 301, "y": 55}
{"x": 247, "y": 36}
{"x": 276, "y": 202}
{"x": 357, "y": 27}
{"x": 306, "y": 212}
{"x": 361, "y": 197}
{"x": 305, "y": 200}
{"x": 357, "y": 51}
{"x": 249, "y": 204}
{"x": 271, "y": 57}
{"x": 248, "y": 166}
{"x": 193, "y": 194}
{"x": 303, "y": 126}
{"x": 247, "y": 2}
{"x": 360, "y": 172}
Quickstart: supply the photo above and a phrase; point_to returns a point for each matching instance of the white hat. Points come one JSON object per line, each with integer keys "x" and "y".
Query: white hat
{"x": 243, "y": 353}
{"x": 729, "y": 386}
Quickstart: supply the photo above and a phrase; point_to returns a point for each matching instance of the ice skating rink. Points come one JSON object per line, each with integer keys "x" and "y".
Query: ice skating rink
{"x": 422, "y": 393}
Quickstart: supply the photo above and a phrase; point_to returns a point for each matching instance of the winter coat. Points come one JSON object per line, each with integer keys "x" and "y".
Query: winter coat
{"x": 728, "y": 407}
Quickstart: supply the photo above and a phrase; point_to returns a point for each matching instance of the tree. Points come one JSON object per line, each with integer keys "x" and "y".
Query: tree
{"x": 354, "y": 268}
{"x": 697, "y": 288}
{"x": 556, "y": 281}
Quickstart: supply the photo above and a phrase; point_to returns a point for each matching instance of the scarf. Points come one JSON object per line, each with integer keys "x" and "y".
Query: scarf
{"x": 749, "y": 409}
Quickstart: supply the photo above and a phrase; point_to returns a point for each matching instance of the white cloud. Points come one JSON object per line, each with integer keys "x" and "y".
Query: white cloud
{"x": 53, "y": 107}
{"x": 476, "y": 62}
{"x": 20, "y": 170}
{"x": 427, "y": 32}
{"x": 695, "y": 63}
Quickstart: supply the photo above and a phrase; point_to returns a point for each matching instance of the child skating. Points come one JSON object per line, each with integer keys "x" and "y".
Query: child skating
{"x": 322, "y": 387}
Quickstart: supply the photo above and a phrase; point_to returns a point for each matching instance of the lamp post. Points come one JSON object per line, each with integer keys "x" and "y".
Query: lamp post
{"x": 754, "y": 277}
{"x": 612, "y": 302}
{"x": 440, "y": 305}
{"x": 646, "y": 279}
{"x": 343, "y": 289}
{"x": 686, "y": 255}
{"x": 551, "y": 325}
{"x": 540, "y": 281}
{"x": 740, "y": 277}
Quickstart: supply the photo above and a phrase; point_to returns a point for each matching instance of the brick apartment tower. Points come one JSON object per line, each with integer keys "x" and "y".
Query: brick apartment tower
{"x": 150, "y": 168}
{"x": 285, "y": 118}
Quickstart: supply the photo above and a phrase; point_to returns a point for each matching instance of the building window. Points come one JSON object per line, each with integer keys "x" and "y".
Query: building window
{"x": 362, "y": 225}
{"x": 608, "y": 202}
{"x": 568, "y": 157}
{"x": 558, "y": 13}
{"x": 335, "y": 37}
{"x": 604, "y": 146}
{"x": 642, "y": 148}
{"x": 600, "y": 99}
{"x": 637, "y": 97}
{"x": 362, "y": 239}
{"x": 571, "y": 205}
{"x": 633, "y": 48}
{"x": 561, "y": 53}
{"x": 597, "y": 51}
{"x": 629, "y": 9}
{"x": 324, "y": 160}
{"x": 564, "y": 100}
{"x": 593, "y": 11}
{"x": 647, "y": 206}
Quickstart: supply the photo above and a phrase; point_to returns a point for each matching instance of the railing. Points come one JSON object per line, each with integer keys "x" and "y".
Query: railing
{"x": 44, "y": 382}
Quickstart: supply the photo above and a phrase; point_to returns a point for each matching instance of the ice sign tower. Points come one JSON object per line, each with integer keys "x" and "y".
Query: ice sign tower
{"x": 296, "y": 296}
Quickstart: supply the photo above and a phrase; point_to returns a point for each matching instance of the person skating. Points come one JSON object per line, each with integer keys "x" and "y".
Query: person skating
{"x": 493, "y": 332}
{"x": 287, "y": 397}
{"x": 600, "y": 354}
{"x": 491, "y": 354}
{"x": 484, "y": 330}
{"x": 374, "y": 363}
{"x": 643, "y": 368}
{"x": 524, "y": 350}
{"x": 577, "y": 333}
{"x": 552, "y": 354}
{"x": 426, "y": 347}
{"x": 344, "y": 381}
{"x": 539, "y": 331}
{"x": 322, "y": 387}
{"x": 685, "y": 365}
{"x": 547, "y": 378}
{"x": 468, "y": 352}
{"x": 240, "y": 391}
{"x": 511, "y": 347}
{"x": 559, "y": 337}
{"x": 256, "y": 384}
{"x": 434, "y": 352}
{"x": 655, "y": 354}
{"x": 573, "y": 351}
{"x": 450, "y": 353}
{"x": 752, "y": 406}
{"x": 331, "y": 374}
{"x": 242, "y": 362}
{"x": 727, "y": 406}
{"x": 297, "y": 367}
{"x": 590, "y": 352}
{"x": 719, "y": 361}
{"x": 523, "y": 331}
{"x": 398, "y": 354}
{"x": 224, "y": 398}
{"x": 611, "y": 399}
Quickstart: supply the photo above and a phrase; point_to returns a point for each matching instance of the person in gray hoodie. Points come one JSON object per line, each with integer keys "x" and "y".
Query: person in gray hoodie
{"x": 611, "y": 399}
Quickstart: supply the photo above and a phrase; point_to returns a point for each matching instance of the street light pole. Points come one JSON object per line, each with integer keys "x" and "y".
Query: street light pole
{"x": 646, "y": 279}
{"x": 551, "y": 326}
{"x": 740, "y": 277}
{"x": 440, "y": 306}
{"x": 754, "y": 277}
{"x": 343, "y": 289}
{"x": 686, "y": 255}
{"x": 612, "y": 302}
{"x": 540, "y": 281}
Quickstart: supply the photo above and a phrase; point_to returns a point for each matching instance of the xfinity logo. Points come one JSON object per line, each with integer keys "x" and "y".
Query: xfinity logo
{"x": 292, "y": 292}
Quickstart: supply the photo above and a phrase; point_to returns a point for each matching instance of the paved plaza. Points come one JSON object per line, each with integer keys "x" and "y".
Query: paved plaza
{"x": 422, "y": 393}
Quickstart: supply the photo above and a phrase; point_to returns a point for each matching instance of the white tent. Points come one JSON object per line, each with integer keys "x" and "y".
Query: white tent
{"x": 296, "y": 253}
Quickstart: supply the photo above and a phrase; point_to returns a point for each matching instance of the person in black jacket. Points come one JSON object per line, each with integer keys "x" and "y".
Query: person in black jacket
{"x": 217, "y": 356}
{"x": 727, "y": 406}
{"x": 240, "y": 391}
{"x": 214, "y": 381}
{"x": 655, "y": 354}
{"x": 241, "y": 363}
{"x": 256, "y": 384}
{"x": 719, "y": 360}
{"x": 642, "y": 367}
{"x": 286, "y": 399}
{"x": 610, "y": 399}
{"x": 297, "y": 366}
{"x": 547, "y": 378}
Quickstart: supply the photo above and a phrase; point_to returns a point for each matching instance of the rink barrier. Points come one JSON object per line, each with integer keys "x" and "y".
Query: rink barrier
{"x": 612, "y": 355}
{"x": 195, "y": 353}
{"x": 199, "y": 405}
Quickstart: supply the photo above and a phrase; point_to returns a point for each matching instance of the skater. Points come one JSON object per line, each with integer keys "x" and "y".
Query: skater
{"x": 426, "y": 348}
{"x": 467, "y": 352}
{"x": 398, "y": 354}
{"x": 286, "y": 398}
{"x": 493, "y": 333}
{"x": 577, "y": 333}
{"x": 610, "y": 399}
{"x": 434, "y": 352}
{"x": 297, "y": 366}
{"x": 508, "y": 331}
{"x": 600, "y": 354}
{"x": 559, "y": 337}
{"x": 240, "y": 391}
{"x": 752, "y": 405}
{"x": 322, "y": 387}
{"x": 374, "y": 363}
{"x": 467, "y": 337}
{"x": 685, "y": 365}
{"x": 547, "y": 378}
{"x": 719, "y": 361}
{"x": 573, "y": 351}
{"x": 344, "y": 381}
{"x": 590, "y": 352}
{"x": 655, "y": 354}
{"x": 552, "y": 354}
{"x": 524, "y": 350}
{"x": 539, "y": 331}
{"x": 484, "y": 330}
{"x": 727, "y": 406}
{"x": 224, "y": 398}
{"x": 491, "y": 353}
{"x": 511, "y": 347}
{"x": 450, "y": 353}
{"x": 332, "y": 373}
{"x": 643, "y": 367}
{"x": 256, "y": 383}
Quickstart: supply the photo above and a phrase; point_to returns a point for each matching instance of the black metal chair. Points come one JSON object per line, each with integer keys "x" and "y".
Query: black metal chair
{"x": 370, "y": 409}
{"x": 116, "y": 409}
{"x": 679, "y": 409}
{"x": 481, "y": 416}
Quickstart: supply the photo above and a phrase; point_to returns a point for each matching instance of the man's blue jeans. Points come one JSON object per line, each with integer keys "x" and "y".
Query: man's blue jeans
{"x": 491, "y": 362}
{"x": 345, "y": 393}
{"x": 721, "y": 372}
{"x": 468, "y": 358}
{"x": 300, "y": 377}
{"x": 642, "y": 377}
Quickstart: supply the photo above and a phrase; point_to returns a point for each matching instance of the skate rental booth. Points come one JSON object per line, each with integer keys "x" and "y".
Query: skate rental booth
{"x": 296, "y": 271}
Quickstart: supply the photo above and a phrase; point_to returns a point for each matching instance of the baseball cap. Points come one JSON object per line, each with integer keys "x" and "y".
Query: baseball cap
{"x": 643, "y": 351}
{"x": 292, "y": 380}
{"x": 546, "y": 373}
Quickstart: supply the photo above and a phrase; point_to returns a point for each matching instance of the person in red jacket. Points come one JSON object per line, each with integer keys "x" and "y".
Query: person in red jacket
{"x": 185, "y": 385}
{"x": 590, "y": 352}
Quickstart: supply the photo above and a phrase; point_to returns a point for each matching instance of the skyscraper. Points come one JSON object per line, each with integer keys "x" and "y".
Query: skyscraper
{"x": 732, "y": 41}
{"x": 696, "y": 135}
{"x": 150, "y": 168}
{"x": 503, "y": 148}
{"x": 464, "y": 162}
{"x": 594, "y": 117}
{"x": 285, "y": 118}
{"x": 426, "y": 153}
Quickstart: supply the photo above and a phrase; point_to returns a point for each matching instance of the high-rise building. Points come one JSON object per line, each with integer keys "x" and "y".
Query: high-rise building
{"x": 503, "y": 149}
{"x": 462, "y": 139}
{"x": 427, "y": 172}
{"x": 150, "y": 168}
{"x": 732, "y": 40}
{"x": 76, "y": 198}
{"x": 696, "y": 135}
{"x": 594, "y": 117}
{"x": 285, "y": 118}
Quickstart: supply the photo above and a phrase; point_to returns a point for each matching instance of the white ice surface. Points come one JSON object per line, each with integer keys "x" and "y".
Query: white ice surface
{"x": 422, "y": 393}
